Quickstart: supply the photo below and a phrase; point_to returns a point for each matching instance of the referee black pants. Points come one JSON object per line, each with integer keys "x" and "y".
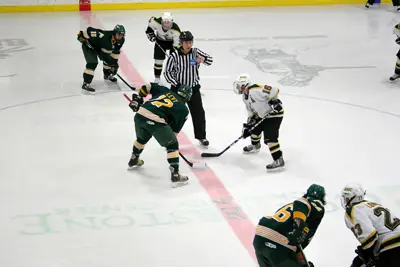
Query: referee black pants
{"x": 195, "y": 105}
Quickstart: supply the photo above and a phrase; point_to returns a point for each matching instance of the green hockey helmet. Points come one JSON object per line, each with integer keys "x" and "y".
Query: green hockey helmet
{"x": 119, "y": 29}
{"x": 185, "y": 92}
{"x": 316, "y": 192}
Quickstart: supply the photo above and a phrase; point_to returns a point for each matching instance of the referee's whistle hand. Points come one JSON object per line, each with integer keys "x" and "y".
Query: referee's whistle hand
{"x": 200, "y": 59}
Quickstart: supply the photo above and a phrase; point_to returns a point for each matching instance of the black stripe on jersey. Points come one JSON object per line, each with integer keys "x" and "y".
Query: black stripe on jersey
{"x": 179, "y": 69}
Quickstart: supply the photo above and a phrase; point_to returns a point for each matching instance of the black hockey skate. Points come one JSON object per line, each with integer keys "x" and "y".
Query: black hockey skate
{"x": 110, "y": 78}
{"x": 394, "y": 77}
{"x": 134, "y": 162}
{"x": 204, "y": 142}
{"x": 252, "y": 148}
{"x": 177, "y": 179}
{"x": 277, "y": 165}
{"x": 87, "y": 89}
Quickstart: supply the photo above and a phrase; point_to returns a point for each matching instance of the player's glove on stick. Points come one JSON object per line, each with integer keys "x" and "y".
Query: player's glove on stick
{"x": 83, "y": 40}
{"x": 276, "y": 105}
{"x": 364, "y": 257}
{"x": 137, "y": 101}
{"x": 246, "y": 131}
{"x": 299, "y": 233}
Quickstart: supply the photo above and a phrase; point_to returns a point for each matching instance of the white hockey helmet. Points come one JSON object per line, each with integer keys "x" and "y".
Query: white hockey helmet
{"x": 167, "y": 20}
{"x": 351, "y": 194}
{"x": 242, "y": 80}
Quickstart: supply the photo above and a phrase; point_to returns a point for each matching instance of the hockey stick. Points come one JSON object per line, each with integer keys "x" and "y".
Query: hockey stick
{"x": 119, "y": 76}
{"x": 127, "y": 84}
{"x": 196, "y": 165}
{"x": 214, "y": 155}
{"x": 162, "y": 49}
{"x": 304, "y": 255}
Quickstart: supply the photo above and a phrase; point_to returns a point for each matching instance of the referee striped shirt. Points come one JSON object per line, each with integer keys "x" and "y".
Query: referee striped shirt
{"x": 183, "y": 68}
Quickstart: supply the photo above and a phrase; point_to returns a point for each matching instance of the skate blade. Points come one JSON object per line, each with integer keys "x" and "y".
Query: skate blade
{"x": 134, "y": 167}
{"x": 85, "y": 92}
{"x": 179, "y": 184}
{"x": 251, "y": 152}
{"x": 203, "y": 146}
{"x": 278, "y": 169}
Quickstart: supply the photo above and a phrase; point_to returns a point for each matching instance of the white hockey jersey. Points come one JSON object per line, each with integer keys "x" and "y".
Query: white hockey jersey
{"x": 170, "y": 35}
{"x": 372, "y": 222}
{"x": 257, "y": 100}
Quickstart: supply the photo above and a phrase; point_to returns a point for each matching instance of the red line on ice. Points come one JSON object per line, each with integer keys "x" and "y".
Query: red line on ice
{"x": 222, "y": 198}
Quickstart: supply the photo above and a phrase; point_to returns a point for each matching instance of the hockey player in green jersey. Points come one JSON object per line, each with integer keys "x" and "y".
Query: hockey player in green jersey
{"x": 162, "y": 116}
{"x": 105, "y": 45}
{"x": 279, "y": 236}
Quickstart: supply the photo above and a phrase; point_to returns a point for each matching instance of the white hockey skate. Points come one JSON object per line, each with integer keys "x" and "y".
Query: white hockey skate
{"x": 157, "y": 79}
{"x": 252, "y": 148}
{"x": 276, "y": 165}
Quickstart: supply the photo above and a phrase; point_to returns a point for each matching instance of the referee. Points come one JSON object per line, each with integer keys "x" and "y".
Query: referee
{"x": 182, "y": 68}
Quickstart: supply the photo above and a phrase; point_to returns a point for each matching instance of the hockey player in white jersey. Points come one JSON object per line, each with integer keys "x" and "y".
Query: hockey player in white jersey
{"x": 261, "y": 101}
{"x": 375, "y": 226}
{"x": 165, "y": 33}
{"x": 396, "y": 74}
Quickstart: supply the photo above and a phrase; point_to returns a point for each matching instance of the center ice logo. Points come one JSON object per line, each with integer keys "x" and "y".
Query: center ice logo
{"x": 275, "y": 60}
{"x": 9, "y": 46}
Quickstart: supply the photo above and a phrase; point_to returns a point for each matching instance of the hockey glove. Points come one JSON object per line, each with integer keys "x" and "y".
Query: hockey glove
{"x": 83, "y": 40}
{"x": 151, "y": 36}
{"x": 174, "y": 88}
{"x": 137, "y": 101}
{"x": 246, "y": 131}
{"x": 114, "y": 69}
{"x": 398, "y": 41}
{"x": 299, "y": 233}
{"x": 276, "y": 105}
{"x": 365, "y": 257}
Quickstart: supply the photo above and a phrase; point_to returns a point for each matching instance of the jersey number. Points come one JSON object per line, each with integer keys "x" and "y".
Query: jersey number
{"x": 388, "y": 218}
{"x": 94, "y": 34}
{"x": 357, "y": 230}
{"x": 161, "y": 101}
{"x": 283, "y": 214}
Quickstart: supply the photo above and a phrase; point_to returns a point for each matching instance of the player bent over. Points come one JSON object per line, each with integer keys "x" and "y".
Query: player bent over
{"x": 105, "y": 45}
{"x": 262, "y": 101}
{"x": 162, "y": 116}
{"x": 165, "y": 33}
{"x": 278, "y": 237}
{"x": 375, "y": 226}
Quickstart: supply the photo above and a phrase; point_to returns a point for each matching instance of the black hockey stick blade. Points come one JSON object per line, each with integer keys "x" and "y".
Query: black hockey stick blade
{"x": 127, "y": 84}
{"x": 215, "y": 155}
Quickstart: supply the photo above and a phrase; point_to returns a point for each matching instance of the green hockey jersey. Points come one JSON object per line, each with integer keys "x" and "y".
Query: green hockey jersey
{"x": 104, "y": 43}
{"x": 164, "y": 106}
{"x": 276, "y": 228}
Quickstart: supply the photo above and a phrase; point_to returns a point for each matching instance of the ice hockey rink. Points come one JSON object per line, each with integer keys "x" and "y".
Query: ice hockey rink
{"x": 67, "y": 199}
